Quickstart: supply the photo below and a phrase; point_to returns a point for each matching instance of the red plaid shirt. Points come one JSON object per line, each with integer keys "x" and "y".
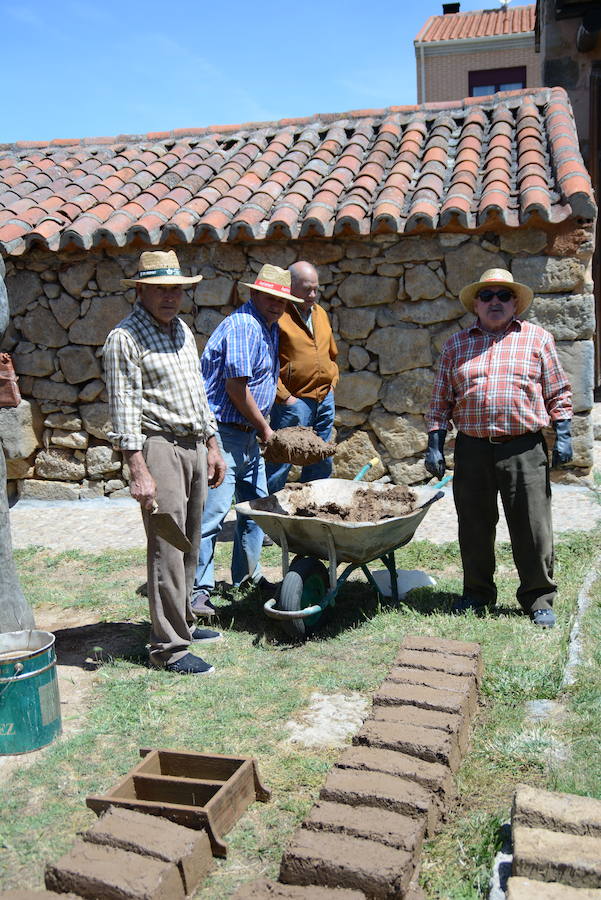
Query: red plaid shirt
{"x": 493, "y": 385}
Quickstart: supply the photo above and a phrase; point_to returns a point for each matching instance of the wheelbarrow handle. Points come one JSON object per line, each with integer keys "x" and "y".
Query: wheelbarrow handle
{"x": 268, "y": 609}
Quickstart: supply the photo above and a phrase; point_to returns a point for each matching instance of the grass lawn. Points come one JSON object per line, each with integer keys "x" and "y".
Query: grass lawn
{"x": 263, "y": 681}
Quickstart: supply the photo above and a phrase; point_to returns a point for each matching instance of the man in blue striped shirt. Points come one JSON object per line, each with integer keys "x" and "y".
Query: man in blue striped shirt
{"x": 240, "y": 368}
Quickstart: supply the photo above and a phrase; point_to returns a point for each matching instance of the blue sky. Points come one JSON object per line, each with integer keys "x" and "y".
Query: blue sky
{"x": 81, "y": 69}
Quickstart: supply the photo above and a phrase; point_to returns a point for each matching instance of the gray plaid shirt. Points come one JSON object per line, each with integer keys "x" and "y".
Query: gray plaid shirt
{"x": 153, "y": 381}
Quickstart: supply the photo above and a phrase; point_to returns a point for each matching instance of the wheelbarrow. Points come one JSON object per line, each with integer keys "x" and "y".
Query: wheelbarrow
{"x": 308, "y": 587}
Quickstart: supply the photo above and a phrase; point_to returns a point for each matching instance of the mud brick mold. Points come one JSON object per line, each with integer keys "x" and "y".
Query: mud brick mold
{"x": 430, "y": 744}
{"x": 527, "y": 889}
{"x": 364, "y": 788}
{"x": 336, "y": 859}
{"x": 196, "y": 790}
{"x": 93, "y": 871}
{"x": 186, "y": 848}
{"x": 432, "y": 776}
{"x": 458, "y": 726}
{"x": 558, "y": 812}
{"x": 274, "y": 890}
{"x": 546, "y": 855}
{"x": 369, "y": 823}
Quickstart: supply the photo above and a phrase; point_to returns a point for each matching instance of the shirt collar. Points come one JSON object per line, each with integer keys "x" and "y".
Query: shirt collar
{"x": 513, "y": 325}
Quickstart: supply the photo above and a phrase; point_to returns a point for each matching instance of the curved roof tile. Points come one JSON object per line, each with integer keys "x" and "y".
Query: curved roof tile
{"x": 501, "y": 158}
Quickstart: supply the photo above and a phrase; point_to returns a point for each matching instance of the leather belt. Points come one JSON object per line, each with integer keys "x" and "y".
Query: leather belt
{"x": 497, "y": 438}
{"x": 238, "y": 426}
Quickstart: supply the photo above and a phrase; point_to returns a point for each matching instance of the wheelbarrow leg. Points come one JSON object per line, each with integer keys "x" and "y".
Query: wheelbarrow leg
{"x": 389, "y": 562}
{"x": 371, "y": 580}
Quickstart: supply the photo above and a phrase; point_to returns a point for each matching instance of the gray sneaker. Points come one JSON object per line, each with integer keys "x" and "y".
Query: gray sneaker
{"x": 201, "y": 604}
{"x": 544, "y": 618}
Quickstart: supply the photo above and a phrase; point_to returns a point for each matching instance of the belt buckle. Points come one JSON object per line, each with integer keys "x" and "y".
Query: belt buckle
{"x": 492, "y": 440}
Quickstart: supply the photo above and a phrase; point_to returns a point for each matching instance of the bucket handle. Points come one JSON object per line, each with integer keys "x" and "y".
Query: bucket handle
{"x": 8, "y": 681}
{"x": 19, "y": 668}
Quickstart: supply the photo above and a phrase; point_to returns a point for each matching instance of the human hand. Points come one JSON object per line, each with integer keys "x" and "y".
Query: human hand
{"x": 434, "y": 460}
{"x": 216, "y": 465}
{"x": 142, "y": 485}
{"x": 562, "y": 449}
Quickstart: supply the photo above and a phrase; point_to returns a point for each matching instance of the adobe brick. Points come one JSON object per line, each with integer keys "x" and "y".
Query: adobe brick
{"x": 359, "y": 787}
{"x": 391, "y": 693}
{"x": 340, "y": 861}
{"x": 546, "y": 855}
{"x": 127, "y": 829}
{"x": 394, "y": 829}
{"x": 464, "y": 684}
{"x": 470, "y": 649}
{"x": 93, "y": 870}
{"x": 432, "y": 776}
{"x": 528, "y": 889}
{"x": 275, "y": 890}
{"x": 558, "y": 812}
{"x": 27, "y": 894}
{"x": 427, "y": 718}
{"x": 430, "y": 744}
{"x": 439, "y": 662}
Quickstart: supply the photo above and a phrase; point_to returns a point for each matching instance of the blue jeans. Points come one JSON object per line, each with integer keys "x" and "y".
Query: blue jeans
{"x": 244, "y": 480}
{"x": 319, "y": 417}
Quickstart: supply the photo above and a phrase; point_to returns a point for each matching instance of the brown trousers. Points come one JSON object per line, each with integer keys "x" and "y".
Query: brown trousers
{"x": 179, "y": 468}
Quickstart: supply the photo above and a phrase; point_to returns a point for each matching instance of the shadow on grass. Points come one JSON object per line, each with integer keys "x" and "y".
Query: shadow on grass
{"x": 91, "y": 646}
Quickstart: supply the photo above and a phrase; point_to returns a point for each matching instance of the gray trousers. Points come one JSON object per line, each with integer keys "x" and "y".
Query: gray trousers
{"x": 519, "y": 471}
{"x": 179, "y": 468}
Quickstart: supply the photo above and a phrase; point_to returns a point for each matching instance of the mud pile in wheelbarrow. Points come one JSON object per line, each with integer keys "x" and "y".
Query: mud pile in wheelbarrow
{"x": 298, "y": 445}
{"x": 367, "y": 504}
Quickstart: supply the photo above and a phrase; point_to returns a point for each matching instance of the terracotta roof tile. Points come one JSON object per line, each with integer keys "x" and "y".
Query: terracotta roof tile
{"x": 393, "y": 170}
{"x": 477, "y": 24}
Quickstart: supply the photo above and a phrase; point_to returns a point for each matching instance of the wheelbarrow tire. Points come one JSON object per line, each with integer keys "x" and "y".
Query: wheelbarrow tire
{"x": 305, "y": 584}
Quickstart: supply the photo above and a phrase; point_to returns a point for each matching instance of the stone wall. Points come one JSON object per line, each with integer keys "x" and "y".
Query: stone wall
{"x": 392, "y": 301}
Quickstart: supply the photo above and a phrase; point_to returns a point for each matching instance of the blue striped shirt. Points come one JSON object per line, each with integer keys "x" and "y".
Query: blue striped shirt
{"x": 242, "y": 346}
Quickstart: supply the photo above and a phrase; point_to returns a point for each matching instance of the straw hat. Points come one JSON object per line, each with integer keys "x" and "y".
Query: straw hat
{"x": 497, "y": 278}
{"x": 160, "y": 267}
{"x": 273, "y": 280}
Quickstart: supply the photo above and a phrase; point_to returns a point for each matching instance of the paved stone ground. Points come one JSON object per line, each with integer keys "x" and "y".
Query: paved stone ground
{"x": 96, "y": 525}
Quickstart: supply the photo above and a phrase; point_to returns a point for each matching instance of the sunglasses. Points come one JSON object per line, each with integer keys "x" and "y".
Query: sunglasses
{"x": 503, "y": 294}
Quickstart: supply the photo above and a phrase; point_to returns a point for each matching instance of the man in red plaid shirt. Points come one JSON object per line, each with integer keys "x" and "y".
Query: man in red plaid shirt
{"x": 501, "y": 382}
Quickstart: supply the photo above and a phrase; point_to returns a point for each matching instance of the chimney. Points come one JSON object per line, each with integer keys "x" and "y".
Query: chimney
{"x": 449, "y": 8}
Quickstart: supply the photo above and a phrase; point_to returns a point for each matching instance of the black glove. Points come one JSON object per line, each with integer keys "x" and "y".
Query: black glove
{"x": 562, "y": 449}
{"x": 434, "y": 461}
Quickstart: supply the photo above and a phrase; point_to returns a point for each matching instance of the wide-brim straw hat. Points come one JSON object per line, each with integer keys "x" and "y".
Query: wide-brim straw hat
{"x": 273, "y": 280}
{"x": 160, "y": 267}
{"x": 495, "y": 278}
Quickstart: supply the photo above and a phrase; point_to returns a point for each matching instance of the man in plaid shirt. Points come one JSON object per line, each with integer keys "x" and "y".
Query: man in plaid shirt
{"x": 501, "y": 382}
{"x": 162, "y": 424}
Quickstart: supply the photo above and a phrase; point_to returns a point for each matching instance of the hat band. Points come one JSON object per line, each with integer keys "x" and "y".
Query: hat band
{"x": 273, "y": 286}
{"x": 150, "y": 273}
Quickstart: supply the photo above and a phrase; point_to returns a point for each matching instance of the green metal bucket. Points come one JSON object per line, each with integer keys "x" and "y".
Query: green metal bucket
{"x": 30, "y": 714}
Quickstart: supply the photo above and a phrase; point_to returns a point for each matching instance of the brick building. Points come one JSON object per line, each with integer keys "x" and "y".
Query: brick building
{"x": 472, "y": 54}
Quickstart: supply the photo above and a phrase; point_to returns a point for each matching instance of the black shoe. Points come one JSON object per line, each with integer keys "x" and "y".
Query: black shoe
{"x": 206, "y": 635}
{"x": 190, "y": 665}
{"x": 544, "y": 618}
{"x": 142, "y": 590}
{"x": 267, "y": 542}
{"x": 201, "y": 604}
{"x": 476, "y": 604}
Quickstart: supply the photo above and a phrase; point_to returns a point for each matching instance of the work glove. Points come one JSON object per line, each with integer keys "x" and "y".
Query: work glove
{"x": 434, "y": 461}
{"x": 562, "y": 449}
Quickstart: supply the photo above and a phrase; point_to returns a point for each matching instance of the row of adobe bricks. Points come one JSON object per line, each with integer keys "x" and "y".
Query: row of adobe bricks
{"x": 363, "y": 838}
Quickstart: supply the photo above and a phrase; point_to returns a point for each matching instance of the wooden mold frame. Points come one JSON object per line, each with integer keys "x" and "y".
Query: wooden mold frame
{"x": 198, "y": 790}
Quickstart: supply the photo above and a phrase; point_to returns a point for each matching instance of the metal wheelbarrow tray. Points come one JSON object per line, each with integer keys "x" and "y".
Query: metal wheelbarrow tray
{"x": 304, "y": 593}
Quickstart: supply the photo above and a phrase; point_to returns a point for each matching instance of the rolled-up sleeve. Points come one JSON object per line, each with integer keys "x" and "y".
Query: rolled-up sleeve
{"x": 124, "y": 387}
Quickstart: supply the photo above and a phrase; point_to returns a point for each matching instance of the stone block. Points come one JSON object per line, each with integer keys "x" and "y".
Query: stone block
{"x": 364, "y": 787}
{"x": 275, "y": 890}
{"x": 276, "y": 254}
{"x": 409, "y": 392}
{"x": 92, "y": 391}
{"x": 104, "y": 313}
{"x": 401, "y": 435}
{"x": 425, "y": 718}
{"x": 568, "y": 317}
{"x": 556, "y": 811}
{"x": 361, "y": 265}
{"x": 391, "y": 828}
{"x": 431, "y": 744}
{"x": 440, "y": 661}
{"x": 358, "y": 390}
{"x": 21, "y": 429}
{"x": 207, "y": 321}
{"x": 414, "y": 249}
{"x": 408, "y": 471}
{"x": 91, "y": 490}
{"x": 546, "y": 855}
{"x": 96, "y": 421}
{"x": 65, "y": 309}
{"x": 337, "y": 860}
{"x": 36, "y": 489}
{"x": 356, "y": 323}
{"x": 102, "y": 460}
{"x": 74, "y": 278}
{"x": 158, "y": 838}
{"x": 348, "y": 418}
{"x": 367, "y": 290}
{"x": 19, "y": 468}
{"x": 40, "y": 327}
{"x": 429, "y": 312}
{"x": 400, "y": 349}
{"x": 65, "y": 421}
{"x": 466, "y": 264}
{"x": 38, "y": 363}
{"x": 578, "y": 361}
{"x": 108, "y": 276}
{"x": 528, "y": 889}
{"x": 421, "y": 283}
{"x": 44, "y": 389}
{"x": 214, "y": 291}
{"x": 93, "y": 870}
{"x": 23, "y": 288}
{"x": 391, "y": 693}
{"x": 549, "y": 275}
{"x": 353, "y": 453}
{"x": 76, "y": 440}
{"x": 78, "y": 364}
{"x": 358, "y": 358}
{"x": 582, "y": 441}
{"x": 321, "y": 254}
{"x": 57, "y": 464}
{"x": 523, "y": 240}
